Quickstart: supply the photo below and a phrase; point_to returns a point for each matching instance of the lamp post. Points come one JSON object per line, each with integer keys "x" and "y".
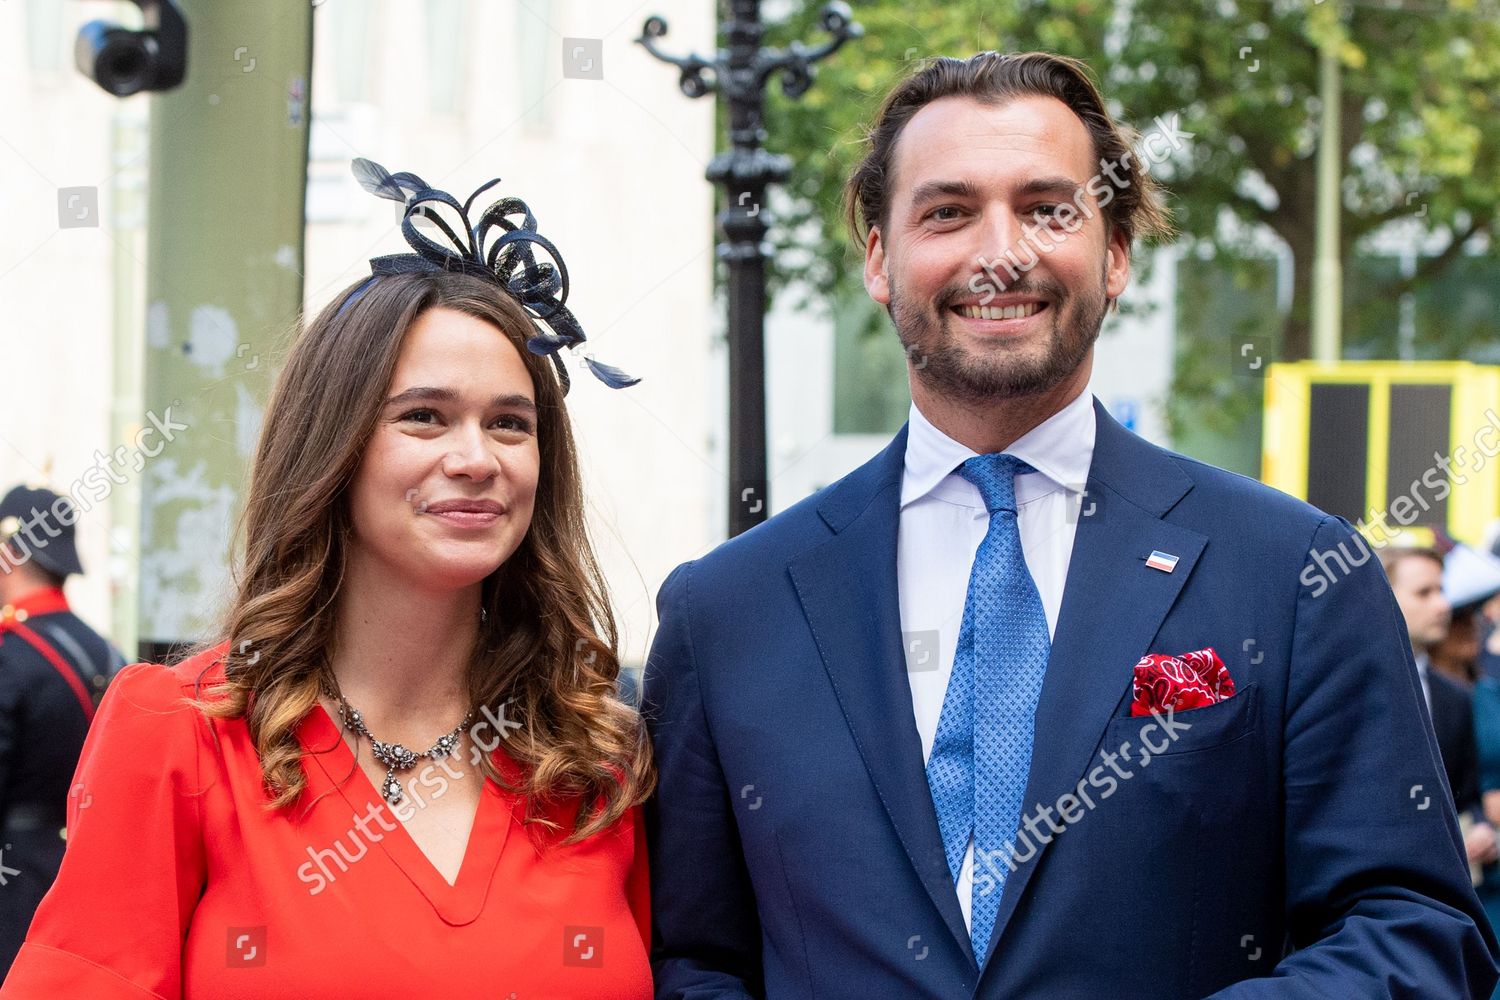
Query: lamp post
{"x": 740, "y": 73}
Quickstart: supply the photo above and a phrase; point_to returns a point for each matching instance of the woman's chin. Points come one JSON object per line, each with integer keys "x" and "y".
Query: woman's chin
{"x": 453, "y": 571}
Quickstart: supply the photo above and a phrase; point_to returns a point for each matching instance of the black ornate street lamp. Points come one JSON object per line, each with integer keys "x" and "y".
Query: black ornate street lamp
{"x": 740, "y": 73}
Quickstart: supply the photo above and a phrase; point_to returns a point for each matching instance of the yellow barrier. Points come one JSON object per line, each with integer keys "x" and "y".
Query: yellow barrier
{"x": 1400, "y": 448}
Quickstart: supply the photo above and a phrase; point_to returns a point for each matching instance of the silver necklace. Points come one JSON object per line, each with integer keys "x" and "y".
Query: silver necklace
{"x": 394, "y": 756}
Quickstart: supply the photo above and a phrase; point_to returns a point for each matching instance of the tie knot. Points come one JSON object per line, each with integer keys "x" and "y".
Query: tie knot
{"x": 995, "y": 475}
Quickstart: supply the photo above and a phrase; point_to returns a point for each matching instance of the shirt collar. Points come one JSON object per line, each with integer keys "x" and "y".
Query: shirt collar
{"x": 1061, "y": 448}
{"x": 42, "y": 601}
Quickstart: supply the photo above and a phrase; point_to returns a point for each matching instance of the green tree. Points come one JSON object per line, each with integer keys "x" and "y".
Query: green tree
{"x": 1419, "y": 118}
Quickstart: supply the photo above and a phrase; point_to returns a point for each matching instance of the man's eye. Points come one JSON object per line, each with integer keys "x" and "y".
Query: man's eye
{"x": 1045, "y": 211}
{"x": 945, "y": 213}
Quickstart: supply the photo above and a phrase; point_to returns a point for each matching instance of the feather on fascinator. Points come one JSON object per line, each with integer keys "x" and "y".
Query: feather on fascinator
{"x": 500, "y": 246}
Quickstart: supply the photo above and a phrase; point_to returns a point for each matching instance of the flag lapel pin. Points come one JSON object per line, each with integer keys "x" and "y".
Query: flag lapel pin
{"x": 1164, "y": 561}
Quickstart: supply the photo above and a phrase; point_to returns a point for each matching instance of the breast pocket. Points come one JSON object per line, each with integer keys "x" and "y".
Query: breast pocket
{"x": 1193, "y": 731}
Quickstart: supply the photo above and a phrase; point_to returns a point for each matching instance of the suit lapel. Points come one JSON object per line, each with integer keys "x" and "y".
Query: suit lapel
{"x": 1113, "y": 605}
{"x": 847, "y": 587}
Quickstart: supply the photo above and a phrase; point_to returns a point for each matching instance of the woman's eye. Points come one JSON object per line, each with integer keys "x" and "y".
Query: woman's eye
{"x": 512, "y": 422}
{"x": 422, "y": 416}
{"x": 428, "y": 417}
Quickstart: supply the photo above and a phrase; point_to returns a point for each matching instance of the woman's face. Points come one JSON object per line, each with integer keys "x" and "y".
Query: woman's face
{"x": 445, "y": 490}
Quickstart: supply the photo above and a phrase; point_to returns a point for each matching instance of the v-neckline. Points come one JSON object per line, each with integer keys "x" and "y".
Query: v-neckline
{"x": 462, "y": 901}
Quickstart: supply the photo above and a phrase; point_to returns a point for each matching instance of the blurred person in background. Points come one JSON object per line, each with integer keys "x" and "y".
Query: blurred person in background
{"x": 53, "y": 669}
{"x": 1486, "y": 700}
{"x": 1489, "y": 624}
{"x": 1416, "y": 577}
{"x": 1456, "y": 655}
{"x": 1471, "y": 582}
{"x": 1489, "y": 638}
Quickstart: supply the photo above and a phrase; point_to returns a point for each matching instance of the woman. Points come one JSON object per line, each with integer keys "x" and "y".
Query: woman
{"x": 405, "y": 772}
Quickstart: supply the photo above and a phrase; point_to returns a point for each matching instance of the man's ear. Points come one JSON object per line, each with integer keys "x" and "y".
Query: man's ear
{"x": 1117, "y": 264}
{"x": 877, "y": 283}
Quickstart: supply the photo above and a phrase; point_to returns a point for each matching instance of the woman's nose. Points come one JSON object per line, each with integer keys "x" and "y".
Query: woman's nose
{"x": 470, "y": 454}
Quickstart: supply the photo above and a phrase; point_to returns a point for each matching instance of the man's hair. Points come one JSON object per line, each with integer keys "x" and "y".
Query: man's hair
{"x": 1394, "y": 555}
{"x": 993, "y": 78}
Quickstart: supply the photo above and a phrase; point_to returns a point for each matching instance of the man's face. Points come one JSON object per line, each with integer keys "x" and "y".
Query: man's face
{"x": 1006, "y": 186}
{"x": 1418, "y": 585}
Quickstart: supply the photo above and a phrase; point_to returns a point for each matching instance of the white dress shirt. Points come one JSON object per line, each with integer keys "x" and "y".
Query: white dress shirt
{"x": 943, "y": 520}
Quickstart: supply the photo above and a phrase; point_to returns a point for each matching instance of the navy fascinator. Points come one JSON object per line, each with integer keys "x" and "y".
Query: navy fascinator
{"x": 501, "y": 245}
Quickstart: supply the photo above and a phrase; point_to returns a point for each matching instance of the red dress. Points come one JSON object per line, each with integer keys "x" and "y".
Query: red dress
{"x": 177, "y": 882}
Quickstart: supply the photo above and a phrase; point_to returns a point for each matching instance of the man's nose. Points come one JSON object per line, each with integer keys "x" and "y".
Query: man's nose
{"x": 997, "y": 239}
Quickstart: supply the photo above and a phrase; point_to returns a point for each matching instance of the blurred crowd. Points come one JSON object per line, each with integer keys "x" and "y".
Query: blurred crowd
{"x": 1449, "y": 596}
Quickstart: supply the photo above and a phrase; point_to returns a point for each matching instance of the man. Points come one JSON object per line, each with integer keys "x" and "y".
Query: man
{"x": 1416, "y": 578}
{"x": 986, "y": 816}
{"x": 53, "y": 670}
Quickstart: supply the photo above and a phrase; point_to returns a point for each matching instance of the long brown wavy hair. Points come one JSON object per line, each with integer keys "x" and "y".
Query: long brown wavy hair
{"x": 547, "y": 646}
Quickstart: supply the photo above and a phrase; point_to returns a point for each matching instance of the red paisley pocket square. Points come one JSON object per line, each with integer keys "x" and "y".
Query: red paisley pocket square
{"x": 1164, "y": 682}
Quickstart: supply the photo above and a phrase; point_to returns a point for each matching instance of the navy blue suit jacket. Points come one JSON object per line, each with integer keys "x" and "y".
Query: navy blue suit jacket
{"x": 1296, "y": 840}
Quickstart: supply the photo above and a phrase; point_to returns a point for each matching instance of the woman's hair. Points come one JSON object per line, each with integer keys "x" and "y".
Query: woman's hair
{"x": 1136, "y": 208}
{"x": 546, "y": 654}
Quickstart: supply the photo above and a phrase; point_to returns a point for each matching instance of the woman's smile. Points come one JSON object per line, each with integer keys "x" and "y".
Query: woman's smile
{"x": 467, "y": 514}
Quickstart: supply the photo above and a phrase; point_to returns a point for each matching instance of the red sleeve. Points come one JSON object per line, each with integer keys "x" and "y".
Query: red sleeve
{"x": 638, "y": 884}
{"x": 112, "y": 925}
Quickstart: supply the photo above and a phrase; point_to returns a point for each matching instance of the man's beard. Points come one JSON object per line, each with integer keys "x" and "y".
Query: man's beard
{"x": 943, "y": 363}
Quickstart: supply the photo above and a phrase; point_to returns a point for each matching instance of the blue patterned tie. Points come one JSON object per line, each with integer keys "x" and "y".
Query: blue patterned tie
{"x": 977, "y": 773}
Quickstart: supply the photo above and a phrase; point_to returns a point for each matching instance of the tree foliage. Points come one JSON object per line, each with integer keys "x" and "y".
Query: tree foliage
{"x": 1419, "y": 120}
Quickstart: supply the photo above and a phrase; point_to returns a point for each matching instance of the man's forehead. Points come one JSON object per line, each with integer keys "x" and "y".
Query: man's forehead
{"x": 1022, "y": 135}
{"x": 1418, "y": 571}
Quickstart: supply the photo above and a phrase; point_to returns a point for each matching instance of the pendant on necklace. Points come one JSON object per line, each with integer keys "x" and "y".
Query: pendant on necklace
{"x": 395, "y": 756}
{"x": 390, "y": 788}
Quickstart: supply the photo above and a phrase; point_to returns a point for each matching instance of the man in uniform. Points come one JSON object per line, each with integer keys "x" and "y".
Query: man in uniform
{"x": 53, "y": 670}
